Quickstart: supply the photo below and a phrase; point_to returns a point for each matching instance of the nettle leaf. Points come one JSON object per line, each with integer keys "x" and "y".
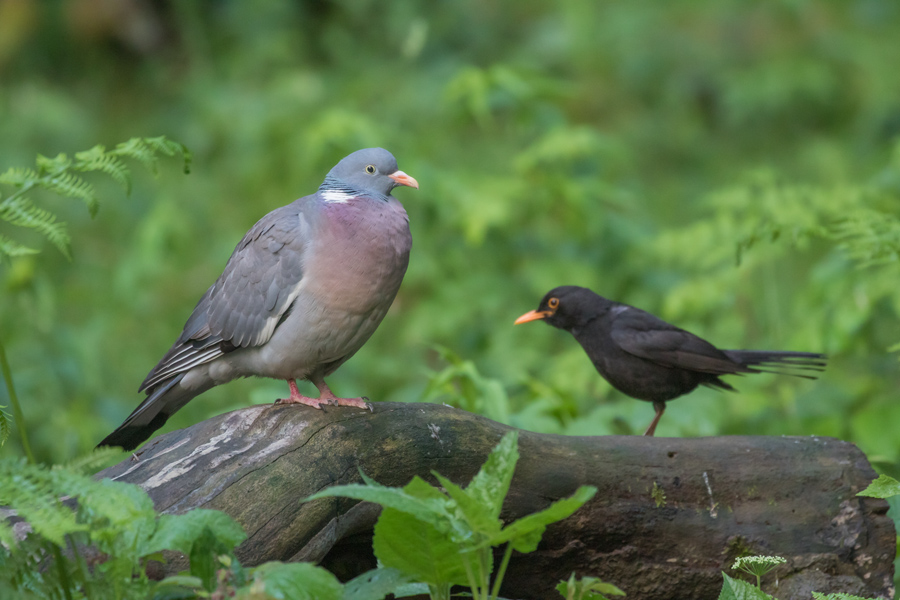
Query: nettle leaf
{"x": 417, "y": 547}
{"x": 490, "y": 486}
{"x": 374, "y": 584}
{"x": 587, "y": 588}
{"x": 294, "y": 581}
{"x": 180, "y": 532}
{"x": 837, "y": 596}
{"x": 525, "y": 534}
{"x": 883, "y": 487}
{"x": 735, "y": 589}
{"x": 474, "y": 523}
{"x": 431, "y": 510}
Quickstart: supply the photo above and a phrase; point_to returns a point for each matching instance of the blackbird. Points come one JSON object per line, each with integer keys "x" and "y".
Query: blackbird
{"x": 646, "y": 358}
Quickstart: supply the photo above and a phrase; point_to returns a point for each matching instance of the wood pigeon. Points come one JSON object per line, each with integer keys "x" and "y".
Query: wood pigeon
{"x": 302, "y": 292}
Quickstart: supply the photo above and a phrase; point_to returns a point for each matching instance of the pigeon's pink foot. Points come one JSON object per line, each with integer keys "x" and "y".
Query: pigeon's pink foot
{"x": 298, "y": 398}
{"x": 326, "y": 395}
{"x": 357, "y": 402}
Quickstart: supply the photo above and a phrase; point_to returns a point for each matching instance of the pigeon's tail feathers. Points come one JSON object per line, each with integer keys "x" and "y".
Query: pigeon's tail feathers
{"x": 163, "y": 402}
{"x": 798, "y": 364}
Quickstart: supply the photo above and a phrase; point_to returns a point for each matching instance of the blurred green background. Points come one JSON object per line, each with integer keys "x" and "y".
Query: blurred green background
{"x": 730, "y": 166}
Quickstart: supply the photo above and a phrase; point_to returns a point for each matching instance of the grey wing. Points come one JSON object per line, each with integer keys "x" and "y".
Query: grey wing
{"x": 646, "y": 336}
{"x": 248, "y": 301}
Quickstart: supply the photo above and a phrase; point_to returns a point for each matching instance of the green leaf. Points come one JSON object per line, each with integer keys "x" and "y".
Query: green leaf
{"x": 587, "y": 588}
{"x": 13, "y": 249}
{"x": 735, "y": 589}
{"x": 417, "y": 547}
{"x": 883, "y": 487}
{"x": 296, "y": 581}
{"x": 525, "y": 534}
{"x": 374, "y": 584}
{"x": 490, "y": 486}
{"x": 431, "y": 511}
{"x": 836, "y": 596}
{"x": 96, "y": 159}
{"x": 180, "y": 532}
{"x": 471, "y": 516}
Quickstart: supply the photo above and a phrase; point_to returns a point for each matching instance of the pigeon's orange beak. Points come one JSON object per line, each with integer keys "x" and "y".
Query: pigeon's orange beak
{"x": 533, "y": 315}
{"x": 403, "y": 179}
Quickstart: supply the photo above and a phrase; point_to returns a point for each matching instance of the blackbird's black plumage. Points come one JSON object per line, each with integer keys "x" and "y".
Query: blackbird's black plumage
{"x": 646, "y": 358}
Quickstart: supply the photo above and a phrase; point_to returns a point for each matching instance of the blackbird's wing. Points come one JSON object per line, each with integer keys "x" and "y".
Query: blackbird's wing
{"x": 643, "y": 335}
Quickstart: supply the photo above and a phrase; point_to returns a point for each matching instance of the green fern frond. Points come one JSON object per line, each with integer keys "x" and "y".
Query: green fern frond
{"x": 21, "y": 212}
{"x": 19, "y": 176}
{"x": 97, "y": 159}
{"x": 73, "y": 186}
{"x": 56, "y": 175}
{"x": 139, "y": 150}
{"x": 870, "y": 237}
{"x": 11, "y": 248}
{"x": 31, "y": 492}
{"x": 98, "y": 459}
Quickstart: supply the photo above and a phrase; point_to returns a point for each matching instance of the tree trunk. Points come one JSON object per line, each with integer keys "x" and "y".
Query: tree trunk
{"x": 671, "y": 514}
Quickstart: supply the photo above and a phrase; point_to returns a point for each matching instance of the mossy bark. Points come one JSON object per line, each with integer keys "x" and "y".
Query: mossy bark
{"x": 671, "y": 514}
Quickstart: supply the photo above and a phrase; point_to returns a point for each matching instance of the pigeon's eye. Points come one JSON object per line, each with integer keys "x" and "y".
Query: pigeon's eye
{"x": 553, "y": 303}
{"x": 370, "y": 169}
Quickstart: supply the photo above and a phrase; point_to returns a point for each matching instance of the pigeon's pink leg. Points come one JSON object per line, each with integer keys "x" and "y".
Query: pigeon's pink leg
{"x": 326, "y": 395}
{"x": 298, "y": 398}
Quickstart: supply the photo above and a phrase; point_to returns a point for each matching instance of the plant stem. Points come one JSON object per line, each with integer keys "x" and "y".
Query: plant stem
{"x": 473, "y": 585}
{"x": 501, "y": 572}
{"x": 14, "y": 401}
{"x": 63, "y": 574}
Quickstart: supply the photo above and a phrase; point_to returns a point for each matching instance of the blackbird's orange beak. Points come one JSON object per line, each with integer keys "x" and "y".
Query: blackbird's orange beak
{"x": 403, "y": 179}
{"x": 533, "y": 315}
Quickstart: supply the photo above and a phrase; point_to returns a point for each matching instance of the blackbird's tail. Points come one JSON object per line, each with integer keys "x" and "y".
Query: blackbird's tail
{"x": 798, "y": 364}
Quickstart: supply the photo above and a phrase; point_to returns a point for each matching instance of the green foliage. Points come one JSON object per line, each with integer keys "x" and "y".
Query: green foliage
{"x": 57, "y": 175}
{"x": 884, "y": 486}
{"x": 587, "y": 588}
{"x": 444, "y": 537}
{"x": 837, "y": 596}
{"x": 637, "y": 148}
{"x": 94, "y": 539}
{"x": 735, "y": 589}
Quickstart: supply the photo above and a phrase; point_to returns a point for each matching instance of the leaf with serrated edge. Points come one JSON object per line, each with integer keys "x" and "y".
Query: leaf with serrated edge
{"x": 490, "y": 486}
{"x": 375, "y": 584}
{"x": 297, "y": 581}
{"x": 735, "y": 589}
{"x": 430, "y": 511}
{"x": 416, "y": 547}
{"x": 525, "y": 534}
{"x": 178, "y": 532}
{"x": 883, "y": 487}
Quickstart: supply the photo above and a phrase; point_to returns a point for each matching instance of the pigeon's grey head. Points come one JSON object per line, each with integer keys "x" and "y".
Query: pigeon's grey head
{"x": 369, "y": 170}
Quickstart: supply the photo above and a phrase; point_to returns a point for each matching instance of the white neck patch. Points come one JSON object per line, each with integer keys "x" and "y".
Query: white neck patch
{"x": 336, "y": 196}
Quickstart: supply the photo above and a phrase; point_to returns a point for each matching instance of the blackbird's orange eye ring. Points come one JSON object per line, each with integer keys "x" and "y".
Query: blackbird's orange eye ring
{"x": 553, "y": 303}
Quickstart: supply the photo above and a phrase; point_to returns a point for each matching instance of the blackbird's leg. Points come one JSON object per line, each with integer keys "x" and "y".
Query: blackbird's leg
{"x": 660, "y": 409}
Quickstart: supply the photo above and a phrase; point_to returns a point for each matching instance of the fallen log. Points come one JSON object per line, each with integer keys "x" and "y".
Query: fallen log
{"x": 671, "y": 514}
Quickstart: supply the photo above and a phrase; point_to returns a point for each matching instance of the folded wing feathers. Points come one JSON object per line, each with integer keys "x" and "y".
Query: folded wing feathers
{"x": 244, "y": 306}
